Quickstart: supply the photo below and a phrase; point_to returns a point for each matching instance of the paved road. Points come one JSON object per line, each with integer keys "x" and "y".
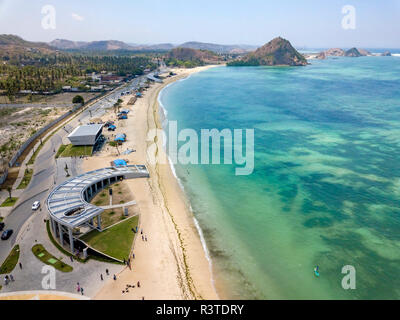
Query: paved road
{"x": 48, "y": 171}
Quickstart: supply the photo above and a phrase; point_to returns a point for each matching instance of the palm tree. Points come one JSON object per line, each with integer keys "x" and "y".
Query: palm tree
{"x": 9, "y": 189}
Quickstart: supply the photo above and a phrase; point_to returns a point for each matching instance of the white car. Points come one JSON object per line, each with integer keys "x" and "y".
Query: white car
{"x": 36, "y": 205}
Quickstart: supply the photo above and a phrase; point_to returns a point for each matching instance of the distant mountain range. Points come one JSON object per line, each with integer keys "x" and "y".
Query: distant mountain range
{"x": 109, "y": 45}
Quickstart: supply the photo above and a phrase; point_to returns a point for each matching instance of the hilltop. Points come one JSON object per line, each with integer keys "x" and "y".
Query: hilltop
{"x": 104, "y": 45}
{"x": 278, "y": 51}
{"x": 13, "y": 44}
{"x": 187, "y": 57}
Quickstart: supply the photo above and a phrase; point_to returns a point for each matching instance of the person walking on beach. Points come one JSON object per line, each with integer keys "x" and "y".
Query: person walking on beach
{"x": 145, "y": 238}
{"x": 78, "y": 287}
{"x": 138, "y": 284}
{"x": 142, "y": 238}
{"x": 11, "y": 277}
{"x": 107, "y": 272}
{"x": 101, "y": 276}
{"x": 81, "y": 291}
{"x": 20, "y": 265}
{"x": 115, "y": 277}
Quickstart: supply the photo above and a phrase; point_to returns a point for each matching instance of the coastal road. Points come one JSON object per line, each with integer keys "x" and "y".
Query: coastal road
{"x": 48, "y": 171}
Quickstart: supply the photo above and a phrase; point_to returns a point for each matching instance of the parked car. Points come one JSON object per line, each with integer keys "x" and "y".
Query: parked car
{"x": 36, "y": 205}
{"x": 6, "y": 234}
{"x": 2, "y": 226}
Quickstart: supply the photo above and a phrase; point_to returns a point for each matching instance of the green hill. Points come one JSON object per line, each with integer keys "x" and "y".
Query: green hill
{"x": 277, "y": 52}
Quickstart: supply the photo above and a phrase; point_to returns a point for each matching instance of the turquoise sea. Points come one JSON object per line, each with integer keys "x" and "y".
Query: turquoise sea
{"x": 326, "y": 185}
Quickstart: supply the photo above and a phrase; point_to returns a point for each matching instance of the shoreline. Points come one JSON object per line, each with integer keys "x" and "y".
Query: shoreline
{"x": 181, "y": 269}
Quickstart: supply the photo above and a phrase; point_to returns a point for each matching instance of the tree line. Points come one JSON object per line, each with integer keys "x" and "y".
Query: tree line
{"x": 39, "y": 72}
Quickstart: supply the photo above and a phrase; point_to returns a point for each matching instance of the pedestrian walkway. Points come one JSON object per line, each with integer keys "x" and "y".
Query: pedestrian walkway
{"x": 128, "y": 204}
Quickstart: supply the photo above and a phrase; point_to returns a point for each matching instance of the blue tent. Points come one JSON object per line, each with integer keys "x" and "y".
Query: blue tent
{"x": 120, "y": 137}
{"x": 120, "y": 163}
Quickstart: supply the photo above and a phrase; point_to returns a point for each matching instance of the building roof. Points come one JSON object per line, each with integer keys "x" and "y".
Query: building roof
{"x": 86, "y": 130}
{"x": 69, "y": 196}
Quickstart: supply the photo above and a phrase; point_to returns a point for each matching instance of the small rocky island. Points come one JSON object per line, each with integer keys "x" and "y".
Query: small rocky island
{"x": 277, "y": 52}
{"x": 337, "y": 52}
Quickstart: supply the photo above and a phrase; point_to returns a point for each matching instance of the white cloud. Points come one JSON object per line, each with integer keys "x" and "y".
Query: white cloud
{"x": 77, "y": 17}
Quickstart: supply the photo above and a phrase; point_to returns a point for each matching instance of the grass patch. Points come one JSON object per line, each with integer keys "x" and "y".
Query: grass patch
{"x": 34, "y": 155}
{"x": 11, "y": 261}
{"x": 56, "y": 244}
{"x": 76, "y": 151}
{"x": 40, "y": 252}
{"x": 111, "y": 216}
{"x": 9, "y": 202}
{"x": 26, "y": 179}
{"x": 60, "y": 150}
{"x": 102, "y": 199}
{"x": 115, "y": 241}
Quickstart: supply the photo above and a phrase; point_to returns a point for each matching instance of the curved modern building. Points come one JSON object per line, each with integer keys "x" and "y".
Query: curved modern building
{"x": 68, "y": 203}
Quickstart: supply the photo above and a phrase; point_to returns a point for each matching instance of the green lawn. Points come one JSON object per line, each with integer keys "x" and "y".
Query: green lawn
{"x": 40, "y": 252}
{"x": 9, "y": 202}
{"x": 60, "y": 150}
{"x": 116, "y": 241}
{"x": 74, "y": 151}
{"x": 11, "y": 261}
{"x": 26, "y": 179}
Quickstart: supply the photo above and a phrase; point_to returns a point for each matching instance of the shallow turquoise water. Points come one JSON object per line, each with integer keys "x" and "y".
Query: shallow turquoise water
{"x": 326, "y": 186}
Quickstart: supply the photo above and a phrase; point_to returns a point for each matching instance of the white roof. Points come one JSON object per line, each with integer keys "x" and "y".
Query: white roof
{"x": 86, "y": 130}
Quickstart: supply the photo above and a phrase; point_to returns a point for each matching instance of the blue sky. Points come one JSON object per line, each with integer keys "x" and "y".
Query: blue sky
{"x": 309, "y": 23}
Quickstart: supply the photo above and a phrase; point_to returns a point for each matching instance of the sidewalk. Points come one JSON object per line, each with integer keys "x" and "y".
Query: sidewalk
{"x": 5, "y": 211}
{"x": 21, "y": 172}
{"x": 122, "y": 205}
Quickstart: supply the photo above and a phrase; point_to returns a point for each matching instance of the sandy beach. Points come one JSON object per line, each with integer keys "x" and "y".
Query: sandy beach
{"x": 172, "y": 264}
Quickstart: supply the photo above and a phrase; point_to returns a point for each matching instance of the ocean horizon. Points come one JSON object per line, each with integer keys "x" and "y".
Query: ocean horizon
{"x": 325, "y": 188}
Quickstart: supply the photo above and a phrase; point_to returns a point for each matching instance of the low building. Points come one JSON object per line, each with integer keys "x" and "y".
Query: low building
{"x": 86, "y": 135}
